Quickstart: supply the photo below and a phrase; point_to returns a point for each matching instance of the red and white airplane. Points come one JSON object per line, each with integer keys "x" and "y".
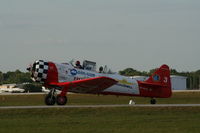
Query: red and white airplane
{"x": 68, "y": 78}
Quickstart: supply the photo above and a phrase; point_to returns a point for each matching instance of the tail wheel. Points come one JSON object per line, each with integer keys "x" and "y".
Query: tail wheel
{"x": 61, "y": 100}
{"x": 50, "y": 100}
{"x": 153, "y": 101}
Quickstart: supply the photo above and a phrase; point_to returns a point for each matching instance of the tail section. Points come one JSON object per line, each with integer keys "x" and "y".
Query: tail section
{"x": 161, "y": 76}
{"x": 158, "y": 84}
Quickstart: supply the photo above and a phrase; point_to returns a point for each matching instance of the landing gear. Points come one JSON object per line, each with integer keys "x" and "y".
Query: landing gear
{"x": 153, "y": 101}
{"x": 51, "y": 99}
{"x": 61, "y": 100}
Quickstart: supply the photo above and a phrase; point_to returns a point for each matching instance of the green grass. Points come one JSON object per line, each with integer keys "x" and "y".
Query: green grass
{"x": 98, "y": 120}
{"x": 77, "y": 99}
{"x": 89, "y": 120}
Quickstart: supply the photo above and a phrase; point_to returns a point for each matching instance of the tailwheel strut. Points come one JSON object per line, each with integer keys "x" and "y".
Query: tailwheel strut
{"x": 153, "y": 101}
{"x": 131, "y": 102}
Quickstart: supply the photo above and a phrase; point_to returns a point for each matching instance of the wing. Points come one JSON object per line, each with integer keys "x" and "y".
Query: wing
{"x": 90, "y": 85}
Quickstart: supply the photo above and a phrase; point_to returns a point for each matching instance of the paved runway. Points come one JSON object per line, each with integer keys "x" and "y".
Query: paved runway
{"x": 100, "y": 106}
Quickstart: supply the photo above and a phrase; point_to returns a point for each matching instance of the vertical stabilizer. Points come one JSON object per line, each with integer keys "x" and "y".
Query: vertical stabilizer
{"x": 162, "y": 76}
{"x": 158, "y": 84}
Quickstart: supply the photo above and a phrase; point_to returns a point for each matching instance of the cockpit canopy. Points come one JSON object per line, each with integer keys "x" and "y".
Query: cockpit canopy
{"x": 89, "y": 65}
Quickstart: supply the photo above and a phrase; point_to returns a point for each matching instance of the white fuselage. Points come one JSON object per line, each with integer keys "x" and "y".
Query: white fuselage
{"x": 125, "y": 85}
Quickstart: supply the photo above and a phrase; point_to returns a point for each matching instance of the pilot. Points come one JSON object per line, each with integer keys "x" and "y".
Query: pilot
{"x": 78, "y": 65}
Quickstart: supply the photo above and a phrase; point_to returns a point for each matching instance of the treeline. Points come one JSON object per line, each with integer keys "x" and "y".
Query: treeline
{"x": 17, "y": 77}
{"x": 193, "y": 78}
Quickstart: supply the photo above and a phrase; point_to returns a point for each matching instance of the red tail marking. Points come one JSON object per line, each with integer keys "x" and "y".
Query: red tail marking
{"x": 158, "y": 84}
{"x": 161, "y": 75}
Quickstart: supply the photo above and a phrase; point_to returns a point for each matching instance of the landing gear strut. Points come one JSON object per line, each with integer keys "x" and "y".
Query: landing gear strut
{"x": 50, "y": 98}
{"x": 153, "y": 101}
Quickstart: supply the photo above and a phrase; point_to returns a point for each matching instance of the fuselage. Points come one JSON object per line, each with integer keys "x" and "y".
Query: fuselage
{"x": 67, "y": 73}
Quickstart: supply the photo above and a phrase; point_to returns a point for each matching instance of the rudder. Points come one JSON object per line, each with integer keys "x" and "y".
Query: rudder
{"x": 162, "y": 76}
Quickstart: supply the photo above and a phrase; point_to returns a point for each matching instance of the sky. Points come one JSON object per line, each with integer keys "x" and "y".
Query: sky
{"x": 141, "y": 34}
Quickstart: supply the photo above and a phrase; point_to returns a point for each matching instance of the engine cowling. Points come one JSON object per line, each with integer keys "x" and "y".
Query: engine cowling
{"x": 39, "y": 71}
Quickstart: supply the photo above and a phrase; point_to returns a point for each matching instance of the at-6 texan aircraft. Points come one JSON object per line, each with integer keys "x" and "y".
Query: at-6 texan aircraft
{"x": 85, "y": 79}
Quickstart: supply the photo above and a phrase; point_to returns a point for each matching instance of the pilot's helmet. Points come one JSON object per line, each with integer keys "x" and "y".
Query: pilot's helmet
{"x": 77, "y": 63}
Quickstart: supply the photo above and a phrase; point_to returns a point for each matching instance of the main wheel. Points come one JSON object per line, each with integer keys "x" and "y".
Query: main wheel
{"x": 153, "y": 101}
{"x": 50, "y": 100}
{"x": 61, "y": 100}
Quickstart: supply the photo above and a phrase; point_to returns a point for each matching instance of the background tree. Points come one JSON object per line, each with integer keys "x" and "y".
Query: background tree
{"x": 14, "y": 77}
{"x": 1, "y": 77}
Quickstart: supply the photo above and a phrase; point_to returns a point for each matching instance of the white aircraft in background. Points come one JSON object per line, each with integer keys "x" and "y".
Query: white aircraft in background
{"x": 11, "y": 90}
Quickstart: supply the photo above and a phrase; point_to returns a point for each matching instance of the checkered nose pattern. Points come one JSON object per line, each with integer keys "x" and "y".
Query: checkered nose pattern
{"x": 40, "y": 69}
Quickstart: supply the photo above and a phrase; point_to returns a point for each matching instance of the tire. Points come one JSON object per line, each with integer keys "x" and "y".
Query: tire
{"x": 61, "y": 100}
{"x": 153, "y": 101}
{"x": 50, "y": 100}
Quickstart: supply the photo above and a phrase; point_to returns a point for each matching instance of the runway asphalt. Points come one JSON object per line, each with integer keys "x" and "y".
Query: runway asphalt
{"x": 100, "y": 106}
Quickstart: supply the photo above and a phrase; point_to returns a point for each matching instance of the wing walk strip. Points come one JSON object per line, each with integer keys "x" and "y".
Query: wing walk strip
{"x": 100, "y": 106}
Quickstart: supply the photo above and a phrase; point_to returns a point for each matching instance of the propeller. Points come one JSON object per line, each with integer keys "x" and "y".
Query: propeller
{"x": 29, "y": 67}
